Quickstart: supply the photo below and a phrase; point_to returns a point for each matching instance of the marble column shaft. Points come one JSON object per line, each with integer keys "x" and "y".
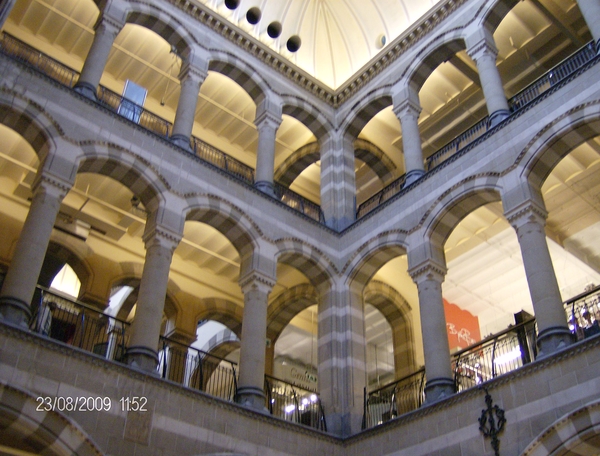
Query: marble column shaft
{"x": 590, "y": 10}
{"x": 145, "y": 329}
{"x": 408, "y": 113}
{"x": 191, "y": 80}
{"x": 267, "y": 126}
{"x": 92, "y": 70}
{"x": 28, "y": 258}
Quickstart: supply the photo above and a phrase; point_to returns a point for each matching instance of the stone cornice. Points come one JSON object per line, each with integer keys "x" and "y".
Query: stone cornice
{"x": 273, "y": 59}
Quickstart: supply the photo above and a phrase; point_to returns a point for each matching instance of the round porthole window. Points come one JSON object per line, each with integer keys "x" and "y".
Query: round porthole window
{"x": 253, "y": 15}
{"x": 294, "y": 43}
{"x": 274, "y": 29}
{"x": 232, "y": 4}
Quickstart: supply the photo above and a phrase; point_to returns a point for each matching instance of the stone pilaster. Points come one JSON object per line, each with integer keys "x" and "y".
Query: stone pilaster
{"x": 429, "y": 276}
{"x": 106, "y": 32}
{"x": 145, "y": 329}
{"x": 28, "y": 258}
{"x": 484, "y": 54}
{"x": 342, "y": 357}
{"x": 338, "y": 185}
{"x": 408, "y": 109}
{"x": 191, "y": 79}
{"x": 267, "y": 124}
{"x": 529, "y": 220}
{"x": 250, "y": 392}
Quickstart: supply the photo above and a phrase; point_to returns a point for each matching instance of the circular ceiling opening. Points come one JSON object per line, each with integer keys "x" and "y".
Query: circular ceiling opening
{"x": 274, "y": 29}
{"x": 253, "y": 15}
{"x": 294, "y": 43}
{"x": 232, "y": 4}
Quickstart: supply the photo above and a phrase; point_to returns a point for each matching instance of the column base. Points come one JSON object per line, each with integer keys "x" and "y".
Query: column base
{"x": 15, "y": 312}
{"x": 142, "y": 358}
{"x": 553, "y": 339}
{"x": 438, "y": 389}
{"x": 252, "y": 398}
{"x": 497, "y": 117}
{"x": 413, "y": 176}
{"x": 182, "y": 141}
{"x": 266, "y": 187}
{"x": 87, "y": 90}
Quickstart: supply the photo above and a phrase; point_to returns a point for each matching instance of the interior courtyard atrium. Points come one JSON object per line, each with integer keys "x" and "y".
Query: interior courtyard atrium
{"x": 299, "y": 227}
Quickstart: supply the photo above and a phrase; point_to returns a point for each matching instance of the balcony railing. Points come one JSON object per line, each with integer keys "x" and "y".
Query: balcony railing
{"x": 197, "y": 369}
{"x": 532, "y": 92}
{"x": 496, "y": 355}
{"x": 293, "y": 403}
{"x": 79, "y": 325}
{"x": 116, "y": 103}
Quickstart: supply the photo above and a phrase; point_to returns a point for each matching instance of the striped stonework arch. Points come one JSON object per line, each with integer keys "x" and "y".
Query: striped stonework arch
{"x": 495, "y": 11}
{"x": 243, "y": 74}
{"x": 308, "y": 260}
{"x": 458, "y": 202}
{"x": 365, "y": 110}
{"x": 376, "y": 159}
{"x": 293, "y": 166}
{"x": 163, "y": 24}
{"x": 396, "y": 311}
{"x": 225, "y": 337}
{"x": 557, "y": 140}
{"x": 307, "y": 114}
{"x": 225, "y": 312}
{"x": 30, "y": 121}
{"x": 372, "y": 255}
{"x": 576, "y": 433}
{"x": 286, "y": 306}
{"x": 47, "y": 432}
{"x": 429, "y": 59}
{"x": 125, "y": 167}
{"x": 230, "y": 221}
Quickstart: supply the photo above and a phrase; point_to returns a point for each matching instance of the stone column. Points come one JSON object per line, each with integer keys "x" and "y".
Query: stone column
{"x": 440, "y": 383}
{"x": 590, "y": 10}
{"x": 106, "y": 32}
{"x": 179, "y": 361}
{"x": 338, "y": 185}
{"x": 145, "y": 329}
{"x": 5, "y": 9}
{"x": 529, "y": 220}
{"x": 342, "y": 356}
{"x": 250, "y": 392}
{"x": 484, "y": 54}
{"x": 28, "y": 258}
{"x": 191, "y": 78}
{"x": 408, "y": 109}
{"x": 267, "y": 125}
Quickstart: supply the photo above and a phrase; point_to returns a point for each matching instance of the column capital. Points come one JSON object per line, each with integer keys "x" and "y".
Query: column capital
{"x": 428, "y": 270}
{"x": 192, "y": 73}
{"x": 267, "y": 119}
{"x": 162, "y": 237}
{"x": 256, "y": 280}
{"x": 527, "y": 212}
{"x": 51, "y": 185}
{"x": 407, "y": 107}
{"x": 484, "y": 47}
{"x": 108, "y": 25}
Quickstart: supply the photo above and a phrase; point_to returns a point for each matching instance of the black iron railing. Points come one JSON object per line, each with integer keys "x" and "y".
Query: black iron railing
{"x": 80, "y": 325}
{"x": 496, "y": 355}
{"x": 394, "y": 399}
{"x": 196, "y": 369}
{"x": 294, "y": 403}
{"x": 148, "y": 120}
{"x": 541, "y": 85}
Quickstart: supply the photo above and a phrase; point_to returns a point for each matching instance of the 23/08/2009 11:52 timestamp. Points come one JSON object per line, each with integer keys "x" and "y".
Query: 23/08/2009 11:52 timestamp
{"x": 134, "y": 404}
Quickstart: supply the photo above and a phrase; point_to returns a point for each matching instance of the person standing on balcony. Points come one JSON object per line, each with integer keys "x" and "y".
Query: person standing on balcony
{"x": 42, "y": 319}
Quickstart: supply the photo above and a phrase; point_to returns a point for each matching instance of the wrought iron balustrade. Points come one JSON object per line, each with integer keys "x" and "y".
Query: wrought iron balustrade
{"x": 533, "y": 91}
{"x": 82, "y": 326}
{"x": 197, "y": 369}
{"x": 496, "y": 355}
{"x": 117, "y": 103}
{"x": 394, "y": 399}
{"x": 294, "y": 403}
